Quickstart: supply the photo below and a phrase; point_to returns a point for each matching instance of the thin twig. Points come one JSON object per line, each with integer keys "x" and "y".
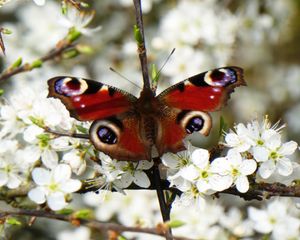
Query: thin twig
{"x": 142, "y": 46}
{"x": 91, "y": 223}
{"x": 2, "y": 47}
{"x": 165, "y": 212}
{"x": 52, "y": 54}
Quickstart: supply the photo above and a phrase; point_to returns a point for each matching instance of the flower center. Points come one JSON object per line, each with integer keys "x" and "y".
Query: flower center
{"x": 54, "y": 187}
{"x": 272, "y": 220}
{"x": 43, "y": 140}
{"x": 274, "y": 155}
{"x": 234, "y": 172}
{"x": 260, "y": 142}
{"x": 204, "y": 174}
{"x": 8, "y": 168}
{"x": 195, "y": 191}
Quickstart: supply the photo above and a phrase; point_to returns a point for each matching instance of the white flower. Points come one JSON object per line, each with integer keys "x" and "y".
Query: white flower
{"x": 76, "y": 161}
{"x": 9, "y": 122}
{"x": 253, "y": 135}
{"x": 79, "y": 20}
{"x": 191, "y": 197}
{"x": 201, "y": 174}
{"x": 13, "y": 169}
{"x": 176, "y": 164}
{"x": 238, "y": 140}
{"x": 41, "y": 146}
{"x": 235, "y": 168}
{"x": 133, "y": 172}
{"x": 52, "y": 113}
{"x": 275, "y": 219}
{"x": 53, "y": 186}
{"x": 233, "y": 221}
{"x": 109, "y": 168}
{"x": 273, "y": 157}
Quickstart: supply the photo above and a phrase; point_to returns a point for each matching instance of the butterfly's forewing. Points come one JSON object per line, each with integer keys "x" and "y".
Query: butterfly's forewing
{"x": 188, "y": 102}
{"x": 207, "y": 91}
{"x": 89, "y": 100}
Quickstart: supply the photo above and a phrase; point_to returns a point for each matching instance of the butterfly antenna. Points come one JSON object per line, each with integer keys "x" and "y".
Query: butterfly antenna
{"x": 122, "y": 76}
{"x": 171, "y": 53}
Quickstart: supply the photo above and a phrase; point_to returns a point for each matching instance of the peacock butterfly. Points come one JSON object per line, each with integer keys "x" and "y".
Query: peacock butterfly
{"x": 127, "y": 128}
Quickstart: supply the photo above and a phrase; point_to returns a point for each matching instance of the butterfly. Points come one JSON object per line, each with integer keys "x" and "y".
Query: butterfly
{"x": 129, "y": 128}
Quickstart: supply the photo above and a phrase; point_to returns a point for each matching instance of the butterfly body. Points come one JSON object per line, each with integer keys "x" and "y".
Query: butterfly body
{"x": 129, "y": 128}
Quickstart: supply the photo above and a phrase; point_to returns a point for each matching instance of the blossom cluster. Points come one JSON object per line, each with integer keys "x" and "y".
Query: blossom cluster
{"x": 52, "y": 167}
{"x": 256, "y": 147}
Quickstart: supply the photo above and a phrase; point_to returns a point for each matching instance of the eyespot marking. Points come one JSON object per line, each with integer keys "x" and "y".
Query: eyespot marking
{"x": 220, "y": 77}
{"x": 70, "y": 86}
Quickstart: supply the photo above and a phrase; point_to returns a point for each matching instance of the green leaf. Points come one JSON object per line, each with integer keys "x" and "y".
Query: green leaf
{"x": 84, "y": 214}
{"x": 17, "y": 63}
{"x": 36, "y": 121}
{"x": 13, "y": 221}
{"x": 65, "y": 211}
{"x": 122, "y": 238}
{"x": 64, "y": 8}
{"x": 36, "y": 64}
{"x": 137, "y": 35}
{"x": 81, "y": 129}
{"x": 6, "y": 31}
{"x": 175, "y": 223}
{"x": 73, "y": 34}
{"x": 70, "y": 54}
{"x": 84, "y": 5}
{"x": 154, "y": 73}
{"x": 1, "y": 92}
{"x": 83, "y": 48}
{"x": 223, "y": 126}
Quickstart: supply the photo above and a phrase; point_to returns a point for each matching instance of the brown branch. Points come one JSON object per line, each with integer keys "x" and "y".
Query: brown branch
{"x": 2, "y": 47}
{"x": 165, "y": 211}
{"x": 91, "y": 223}
{"x": 141, "y": 44}
{"x": 52, "y": 54}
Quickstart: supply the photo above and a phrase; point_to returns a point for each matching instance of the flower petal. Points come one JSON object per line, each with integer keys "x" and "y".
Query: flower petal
{"x": 189, "y": 173}
{"x": 62, "y": 172}
{"x": 56, "y": 201}
{"x": 220, "y": 165}
{"x": 71, "y": 185}
{"x": 288, "y": 148}
{"x": 242, "y": 184}
{"x": 14, "y": 181}
{"x": 141, "y": 179}
{"x": 266, "y": 169}
{"x": 170, "y": 160}
{"x": 37, "y": 195}
{"x": 260, "y": 154}
{"x": 144, "y": 165}
{"x": 200, "y": 157}
{"x": 3, "y": 178}
{"x": 248, "y": 167}
{"x": 274, "y": 141}
{"x": 49, "y": 158}
{"x": 220, "y": 183}
{"x": 234, "y": 157}
{"x": 284, "y": 167}
{"x": 41, "y": 176}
